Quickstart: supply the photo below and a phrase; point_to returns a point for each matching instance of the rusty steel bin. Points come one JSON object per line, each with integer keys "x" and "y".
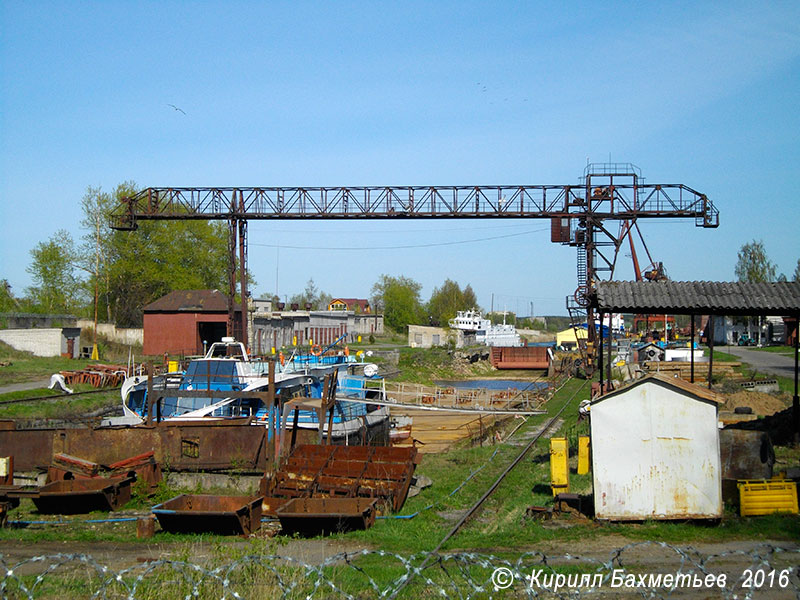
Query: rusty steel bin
{"x": 77, "y": 496}
{"x": 312, "y": 516}
{"x": 238, "y": 515}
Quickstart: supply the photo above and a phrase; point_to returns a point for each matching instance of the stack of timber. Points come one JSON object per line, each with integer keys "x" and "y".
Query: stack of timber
{"x": 684, "y": 369}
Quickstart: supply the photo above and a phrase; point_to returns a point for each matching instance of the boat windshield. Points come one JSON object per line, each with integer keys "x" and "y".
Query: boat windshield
{"x": 213, "y": 371}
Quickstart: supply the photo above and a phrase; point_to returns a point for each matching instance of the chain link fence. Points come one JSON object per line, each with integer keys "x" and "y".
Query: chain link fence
{"x": 642, "y": 569}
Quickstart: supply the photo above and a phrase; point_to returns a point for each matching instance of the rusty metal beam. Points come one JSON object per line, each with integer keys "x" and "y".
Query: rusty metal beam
{"x": 625, "y": 202}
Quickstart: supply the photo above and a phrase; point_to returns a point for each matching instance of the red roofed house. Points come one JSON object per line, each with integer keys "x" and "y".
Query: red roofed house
{"x": 358, "y": 305}
{"x": 183, "y": 320}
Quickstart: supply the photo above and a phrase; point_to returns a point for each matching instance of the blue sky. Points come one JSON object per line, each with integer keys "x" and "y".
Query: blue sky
{"x": 412, "y": 93}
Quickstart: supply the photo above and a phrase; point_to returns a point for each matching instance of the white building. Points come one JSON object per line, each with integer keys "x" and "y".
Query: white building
{"x": 655, "y": 452}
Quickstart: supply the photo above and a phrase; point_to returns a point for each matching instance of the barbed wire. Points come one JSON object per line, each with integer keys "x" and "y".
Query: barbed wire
{"x": 658, "y": 570}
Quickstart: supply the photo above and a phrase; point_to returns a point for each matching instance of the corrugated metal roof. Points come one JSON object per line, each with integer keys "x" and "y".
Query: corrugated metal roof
{"x": 693, "y": 389}
{"x": 699, "y": 297}
{"x": 190, "y": 301}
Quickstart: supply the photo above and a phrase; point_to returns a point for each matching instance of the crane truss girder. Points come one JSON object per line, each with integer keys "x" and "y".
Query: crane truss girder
{"x": 617, "y": 202}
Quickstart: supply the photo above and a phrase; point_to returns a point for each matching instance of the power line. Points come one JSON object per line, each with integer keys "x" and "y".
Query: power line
{"x": 384, "y": 231}
{"x": 404, "y": 247}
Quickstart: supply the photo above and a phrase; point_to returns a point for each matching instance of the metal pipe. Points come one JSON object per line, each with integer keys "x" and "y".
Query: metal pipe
{"x": 710, "y": 348}
{"x": 691, "y": 351}
{"x": 600, "y": 349}
{"x": 796, "y": 399}
{"x": 610, "y": 344}
{"x": 243, "y": 270}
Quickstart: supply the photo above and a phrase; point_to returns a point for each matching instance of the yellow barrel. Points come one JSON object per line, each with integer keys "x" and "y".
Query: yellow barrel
{"x": 172, "y": 366}
{"x": 559, "y": 465}
{"x": 583, "y": 454}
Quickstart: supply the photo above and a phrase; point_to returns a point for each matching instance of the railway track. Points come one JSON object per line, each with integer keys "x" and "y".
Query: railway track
{"x": 58, "y": 397}
{"x": 474, "y": 508}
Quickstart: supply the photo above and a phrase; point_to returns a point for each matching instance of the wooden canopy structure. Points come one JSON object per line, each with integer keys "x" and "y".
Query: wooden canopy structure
{"x": 694, "y": 298}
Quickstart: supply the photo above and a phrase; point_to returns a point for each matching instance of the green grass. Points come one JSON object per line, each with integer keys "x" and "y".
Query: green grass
{"x": 428, "y": 365}
{"x": 786, "y": 384}
{"x": 59, "y": 406}
{"x": 785, "y": 350}
{"x": 27, "y": 367}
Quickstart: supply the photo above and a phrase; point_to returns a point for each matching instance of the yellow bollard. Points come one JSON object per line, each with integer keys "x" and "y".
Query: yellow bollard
{"x": 294, "y": 340}
{"x": 359, "y": 339}
{"x": 583, "y": 454}
{"x": 559, "y": 465}
{"x": 273, "y": 350}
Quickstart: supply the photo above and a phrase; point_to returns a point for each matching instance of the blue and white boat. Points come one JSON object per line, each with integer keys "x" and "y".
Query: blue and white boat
{"x": 227, "y": 367}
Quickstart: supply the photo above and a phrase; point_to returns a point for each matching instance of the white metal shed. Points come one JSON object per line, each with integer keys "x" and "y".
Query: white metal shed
{"x": 655, "y": 451}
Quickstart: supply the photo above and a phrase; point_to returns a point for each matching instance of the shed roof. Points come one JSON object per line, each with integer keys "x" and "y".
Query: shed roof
{"x": 680, "y": 385}
{"x": 699, "y": 297}
{"x": 190, "y": 301}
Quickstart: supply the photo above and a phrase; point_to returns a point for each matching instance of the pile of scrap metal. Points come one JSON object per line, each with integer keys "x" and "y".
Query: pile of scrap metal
{"x": 97, "y": 375}
{"x": 142, "y": 467}
{"x": 77, "y": 486}
{"x": 335, "y": 488}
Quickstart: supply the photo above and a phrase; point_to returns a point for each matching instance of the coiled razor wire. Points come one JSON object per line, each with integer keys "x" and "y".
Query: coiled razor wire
{"x": 379, "y": 574}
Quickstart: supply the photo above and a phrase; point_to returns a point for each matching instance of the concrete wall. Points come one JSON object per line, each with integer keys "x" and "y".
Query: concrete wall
{"x": 128, "y": 337}
{"x": 13, "y": 320}
{"x": 42, "y": 342}
{"x": 420, "y": 336}
{"x": 280, "y": 329}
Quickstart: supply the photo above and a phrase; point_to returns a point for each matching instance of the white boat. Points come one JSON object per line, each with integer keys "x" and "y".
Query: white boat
{"x": 227, "y": 367}
{"x": 472, "y": 321}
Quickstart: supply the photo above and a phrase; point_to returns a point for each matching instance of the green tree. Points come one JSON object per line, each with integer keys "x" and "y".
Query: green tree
{"x": 312, "y": 295}
{"x": 753, "y": 265}
{"x": 57, "y": 288}
{"x": 8, "y": 303}
{"x": 96, "y": 248}
{"x": 157, "y": 258}
{"x": 797, "y": 271}
{"x": 398, "y": 298}
{"x": 448, "y": 299}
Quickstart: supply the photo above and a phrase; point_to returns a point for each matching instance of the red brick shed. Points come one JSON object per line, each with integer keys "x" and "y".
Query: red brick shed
{"x": 182, "y": 320}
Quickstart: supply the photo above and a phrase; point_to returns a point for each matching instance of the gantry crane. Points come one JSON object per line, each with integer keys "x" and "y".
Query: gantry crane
{"x": 578, "y": 214}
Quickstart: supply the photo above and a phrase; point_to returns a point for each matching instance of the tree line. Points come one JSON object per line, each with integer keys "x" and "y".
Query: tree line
{"x": 123, "y": 270}
{"x": 120, "y": 272}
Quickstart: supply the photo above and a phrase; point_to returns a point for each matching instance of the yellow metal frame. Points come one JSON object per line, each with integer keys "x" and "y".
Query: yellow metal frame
{"x": 767, "y": 496}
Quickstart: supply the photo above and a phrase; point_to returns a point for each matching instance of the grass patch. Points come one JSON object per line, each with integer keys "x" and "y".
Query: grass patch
{"x": 428, "y": 365}
{"x": 784, "y": 350}
{"x": 57, "y": 405}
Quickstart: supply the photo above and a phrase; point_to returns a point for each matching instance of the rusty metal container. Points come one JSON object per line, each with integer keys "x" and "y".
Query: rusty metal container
{"x": 77, "y": 496}
{"x": 745, "y": 454}
{"x": 312, "y": 516}
{"x": 527, "y": 357}
{"x": 238, "y": 515}
{"x": 269, "y": 505}
{"x": 145, "y": 527}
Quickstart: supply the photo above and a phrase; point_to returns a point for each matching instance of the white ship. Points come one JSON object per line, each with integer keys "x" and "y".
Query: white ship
{"x": 472, "y": 321}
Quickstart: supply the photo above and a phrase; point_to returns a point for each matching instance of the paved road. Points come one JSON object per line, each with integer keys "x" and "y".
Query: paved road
{"x": 26, "y": 385}
{"x": 765, "y": 362}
